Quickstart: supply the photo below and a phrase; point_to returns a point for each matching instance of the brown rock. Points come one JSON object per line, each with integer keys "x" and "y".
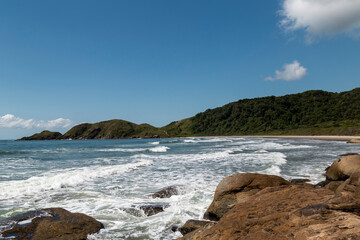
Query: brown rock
{"x": 342, "y": 168}
{"x": 287, "y": 212}
{"x": 237, "y": 188}
{"x": 354, "y": 140}
{"x": 50, "y": 223}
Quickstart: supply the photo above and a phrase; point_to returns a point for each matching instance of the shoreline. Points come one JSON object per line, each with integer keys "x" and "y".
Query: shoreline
{"x": 315, "y": 137}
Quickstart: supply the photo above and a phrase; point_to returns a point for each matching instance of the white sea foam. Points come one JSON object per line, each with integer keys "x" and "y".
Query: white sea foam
{"x": 273, "y": 170}
{"x": 130, "y": 150}
{"x": 159, "y": 149}
{"x": 154, "y": 143}
{"x": 64, "y": 178}
{"x": 122, "y": 150}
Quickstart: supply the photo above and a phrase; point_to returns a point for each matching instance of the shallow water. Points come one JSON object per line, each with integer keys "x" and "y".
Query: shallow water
{"x": 106, "y": 179}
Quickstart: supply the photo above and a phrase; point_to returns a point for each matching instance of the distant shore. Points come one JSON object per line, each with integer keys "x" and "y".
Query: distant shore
{"x": 317, "y": 137}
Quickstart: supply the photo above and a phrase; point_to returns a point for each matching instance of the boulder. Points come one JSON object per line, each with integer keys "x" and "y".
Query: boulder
{"x": 167, "y": 192}
{"x": 287, "y": 212}
{"x": 50, "y": 223}
{"x": 237, "y": 188}
{"x": 354, "y": 140}
{"x": 342, "y": 168}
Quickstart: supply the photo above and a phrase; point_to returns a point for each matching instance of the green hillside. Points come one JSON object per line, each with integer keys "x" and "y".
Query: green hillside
{"x": 311, "y": 112}
{"x": 307, "y": 113}
{"x": 44, "y": 135}
{"x": 113, "y": 129}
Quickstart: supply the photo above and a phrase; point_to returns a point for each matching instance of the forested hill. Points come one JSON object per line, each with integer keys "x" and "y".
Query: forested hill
{"x": 311, "y": 112}
{"x": 307, "y": 113}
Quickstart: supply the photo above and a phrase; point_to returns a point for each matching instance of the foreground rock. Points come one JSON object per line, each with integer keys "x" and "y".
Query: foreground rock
{"x": 342, "y": 168}
{"x": 288, "y": 212}
{"x": 256, "y": 206}
{"x": 238, "y": 188}
{"x": 50, "y": 223}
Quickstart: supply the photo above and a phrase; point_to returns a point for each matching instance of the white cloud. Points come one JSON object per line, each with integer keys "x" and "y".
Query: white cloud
{"x": 292, "y": 71}
{"x": 10, "y": 121}
{"x": 322, "y": 17}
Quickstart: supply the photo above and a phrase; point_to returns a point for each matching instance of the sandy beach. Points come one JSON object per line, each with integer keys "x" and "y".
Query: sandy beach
{"x": 323, "y": 137}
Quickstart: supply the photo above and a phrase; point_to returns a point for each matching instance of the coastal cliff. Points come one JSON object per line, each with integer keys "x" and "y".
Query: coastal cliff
{"x": 307, "y": 113}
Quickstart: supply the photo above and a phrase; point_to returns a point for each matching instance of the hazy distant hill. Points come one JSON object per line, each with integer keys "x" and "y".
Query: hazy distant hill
{"x": 307, "y": 113}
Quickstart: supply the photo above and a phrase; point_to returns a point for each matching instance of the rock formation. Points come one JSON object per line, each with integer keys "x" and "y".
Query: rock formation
{"x": 50, "y": 223}
{"x": 256, "y": 206}
{"x": 342, "y": 168}
{"x": 237, "y": 188}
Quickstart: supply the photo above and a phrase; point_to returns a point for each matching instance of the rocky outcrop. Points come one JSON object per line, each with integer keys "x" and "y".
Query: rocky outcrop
{"x": 50, "y": 223}
{"x": 342, "y": 168}
{"x": 288, "y": 212}
{"x": 250, "y": 208}
{"x": 237, "y": 188}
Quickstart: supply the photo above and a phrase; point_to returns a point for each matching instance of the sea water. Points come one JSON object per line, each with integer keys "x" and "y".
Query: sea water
{"x": 107, "y": 178}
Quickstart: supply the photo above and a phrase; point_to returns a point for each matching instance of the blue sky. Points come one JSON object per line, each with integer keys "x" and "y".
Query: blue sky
{"x": 68, "y": 62}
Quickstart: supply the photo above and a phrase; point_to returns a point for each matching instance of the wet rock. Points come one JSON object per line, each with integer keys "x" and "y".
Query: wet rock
{"x": 237, "y": 188}
{"x": 50, "y": 223}
{"x": 174, "y": 228}
{"x": 343, "y": 167}
{"x": 149, "y": 209}
{"x": 192, "y": 225}
{"x": 168, "y": 191}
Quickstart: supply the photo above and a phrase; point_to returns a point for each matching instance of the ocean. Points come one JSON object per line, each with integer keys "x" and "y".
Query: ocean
{"x": 110, "y": 179}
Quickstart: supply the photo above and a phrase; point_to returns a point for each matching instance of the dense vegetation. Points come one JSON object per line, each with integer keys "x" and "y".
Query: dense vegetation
{"x": 307, "y": 113}
{"x": 44, "y": 135}
{"x": 311, "y": 112}
{"x": 113, "y": 129}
